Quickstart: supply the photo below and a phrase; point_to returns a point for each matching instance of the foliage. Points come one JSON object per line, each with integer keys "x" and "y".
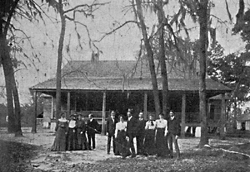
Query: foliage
{"x": 28, "y": 112}
{"x": 243, "y": 24}
{"x": 230, "y": 70}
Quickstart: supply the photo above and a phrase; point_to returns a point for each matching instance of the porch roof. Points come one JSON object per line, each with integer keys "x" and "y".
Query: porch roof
{"x": 130, "y": 84}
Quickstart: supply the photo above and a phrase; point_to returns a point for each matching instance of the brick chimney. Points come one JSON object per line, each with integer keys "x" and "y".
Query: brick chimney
{"x": 94, "y": 57}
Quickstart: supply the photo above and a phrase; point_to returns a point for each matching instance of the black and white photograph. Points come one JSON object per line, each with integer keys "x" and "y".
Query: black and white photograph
{"x": 124, "y": 85}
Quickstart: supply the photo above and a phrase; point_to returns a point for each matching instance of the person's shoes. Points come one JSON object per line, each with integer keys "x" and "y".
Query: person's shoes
{"x": 108, "y": 153}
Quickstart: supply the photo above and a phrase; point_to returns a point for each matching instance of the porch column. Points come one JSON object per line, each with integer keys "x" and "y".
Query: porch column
{"x": 75, "y": 103}
{"x": 33, "y": 130}
{"x": 68, "y": 104}
{"x": 145, "y": 105}
{"x": 86, "y": 101}
{"x": 52, "y": 108}
{"x": 183, "y": 114}
{"x": 103, "y": 112}
{"x": 222, "y": 116}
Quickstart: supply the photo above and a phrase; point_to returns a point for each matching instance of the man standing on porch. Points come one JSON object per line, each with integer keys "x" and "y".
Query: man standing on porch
{"x": 131, "y": 131}
{"x": 174, "y": 130}
{"x": 92, "y": 126}
{"x": 111, "y": 122}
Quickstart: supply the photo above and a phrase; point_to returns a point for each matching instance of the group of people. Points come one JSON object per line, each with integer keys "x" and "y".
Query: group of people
{"x": 153, "y": 137}
{"x": 75, "y": 134}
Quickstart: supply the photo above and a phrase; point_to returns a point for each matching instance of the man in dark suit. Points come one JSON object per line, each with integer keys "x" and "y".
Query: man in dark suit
{"x": 92, "y": 127}
{"x": 131, "y": 131}
{"x": 140, "y": 134}
{"x": 174, "y": 130}
{"x": 111, "y": 122}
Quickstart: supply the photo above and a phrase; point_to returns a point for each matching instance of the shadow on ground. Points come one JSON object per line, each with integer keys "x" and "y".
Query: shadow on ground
{"x": 15, "y": 156}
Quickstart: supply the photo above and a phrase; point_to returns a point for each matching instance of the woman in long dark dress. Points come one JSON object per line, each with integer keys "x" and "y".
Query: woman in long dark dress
{"x": 71, "y": 137}
{"x": 81, "y": 133}
{"x": 161, "y": 133}
{"x": 61, "y": 130}
{"x": 149, "y": 141}
{"x": 120, "y": 138}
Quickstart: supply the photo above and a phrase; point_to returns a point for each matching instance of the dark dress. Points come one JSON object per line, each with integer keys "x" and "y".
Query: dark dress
{"x": 140, "y": 136}
{"x": 149, "y": 142}
{"x": 60, "y": 139}
{"x": 71, "y": 138}
{"x": 81, "y": 135}
{"x": 122, "y": 145}
{"x": 161, "y": 142}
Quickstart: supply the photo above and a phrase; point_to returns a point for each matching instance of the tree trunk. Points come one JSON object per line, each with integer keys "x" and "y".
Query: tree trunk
{"x": 161, "y": 17}
{"x": 202, "y": 80}
{"x": 14, "y": 120}
{"x": 235, "y": 115}
{"x": 18, "y": 131}
{"x": 59, "y": 61}
{"x": 8, "y": 85}
{"x": 150, "y": 56}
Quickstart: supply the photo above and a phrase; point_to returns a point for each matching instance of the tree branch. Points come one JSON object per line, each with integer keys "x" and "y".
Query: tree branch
{"x": 11, "y": 13}
{"x": 85, "y": 5}
{"x": 114, "y": 30}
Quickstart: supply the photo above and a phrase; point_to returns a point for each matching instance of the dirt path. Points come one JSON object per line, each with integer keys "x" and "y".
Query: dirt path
{"x": 47, "y": 160}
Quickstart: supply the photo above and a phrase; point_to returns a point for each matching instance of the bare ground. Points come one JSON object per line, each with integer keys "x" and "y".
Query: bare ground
{"x": 32, "y": 153}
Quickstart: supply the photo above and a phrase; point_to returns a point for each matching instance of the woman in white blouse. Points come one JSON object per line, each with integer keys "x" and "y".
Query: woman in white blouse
{"x": 71, "y": 136}
{"x": 149, "y": 142}
{"x": 160, "y": 138}
{"x": 120, "y": 137}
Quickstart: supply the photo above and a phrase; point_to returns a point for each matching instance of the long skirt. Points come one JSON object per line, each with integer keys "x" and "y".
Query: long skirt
{"x": 149, "y": 142}
{"x": 60, "y": 140}
{"x": 81, "y": 141}
{"x": 161, "y": 143}
{"x": 71, "y": 139}
{"x": 122, "y": 146}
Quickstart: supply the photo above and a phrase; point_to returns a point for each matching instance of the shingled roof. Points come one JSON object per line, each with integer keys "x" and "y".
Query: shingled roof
{"x": 115, "y": 69}
{"x": 120, "y": 75}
